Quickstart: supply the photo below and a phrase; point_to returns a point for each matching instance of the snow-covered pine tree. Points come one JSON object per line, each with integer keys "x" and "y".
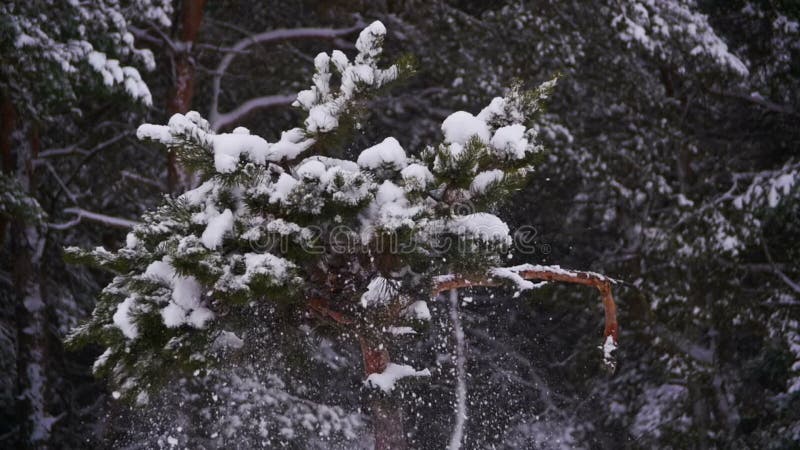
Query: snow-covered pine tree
{"x": 58, "y": 57}
{"x": 309, "y": 225}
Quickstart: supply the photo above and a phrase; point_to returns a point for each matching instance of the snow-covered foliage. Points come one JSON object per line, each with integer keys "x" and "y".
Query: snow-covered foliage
{"x": 254, "y": 408}
{"x": 674, "y": 136}
{"x": 17, "y": 204}
{"x": 674, "y": 31}
{"x": 63, "y": 38}
{"x": 669, "y": 167}
{"x": 61, "y": 59}
{"x": 196, "y": 266}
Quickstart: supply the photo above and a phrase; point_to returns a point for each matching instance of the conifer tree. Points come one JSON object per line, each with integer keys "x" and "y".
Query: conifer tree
{"x": 307, "y": 225}
{"x": 54, "y": 53}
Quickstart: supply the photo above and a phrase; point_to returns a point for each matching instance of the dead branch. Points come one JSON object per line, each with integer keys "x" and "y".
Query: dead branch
{"x": 541, "y": 273}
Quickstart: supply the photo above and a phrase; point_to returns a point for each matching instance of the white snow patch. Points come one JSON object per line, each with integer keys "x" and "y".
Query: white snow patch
{"x": 389, "y": 152}
{"x": 282, "y": 188}
{"x": 418, "y": 311}
{"x": 266, "y": 264}
{"x": 460, "y": 126}
{"x": 512, "y": 275}
{"x": 511, "y": 140}
{"x": 311, "y": 169}
{"x": 321, "y": 119}
{"x": 228, "y": 148}
{"x": 484, "y": 226}
{"x": 291, "y": 144}
{"x": 101, "y": 360}
{"x": 399, "y": 331}
{"x": 495, "y": 109}
{"x": 199, "y": 194}
{"x": 369, "y": 39}
{"x": 380, "y": 291}
{"x": 131, "y": 240}
{"x": 386, "y": 380}
{"x": 416, "y": 176}
{"x": 227, "y": 340}
{"x": 390, "y": 210}
{"x": 158, "y": 133}
{"x": 609, "y": 346}
{"x": 123, "y": 320}
{"x": 216, "y": 229}
{"x": 484, "y": 179}
{"x": 186, "y": 306}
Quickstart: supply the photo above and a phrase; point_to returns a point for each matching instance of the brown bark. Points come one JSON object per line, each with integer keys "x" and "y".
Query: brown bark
{"x": 180, "y": 101}
{"x": 386, "y": 413}
{"x": 387, "y": 416}
{"x": 601, "y": 283}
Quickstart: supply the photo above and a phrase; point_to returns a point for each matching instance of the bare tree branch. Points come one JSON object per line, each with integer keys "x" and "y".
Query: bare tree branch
{"x": 65, "y": 225}
{"x": 102, "y": 218}
{"x": 89, "y": 155}
{"x": 777, "y": 271}
{"x": 540, "y": 273}
{"x": 144, "y": 36}
{"x": 222, "y": 121}
{"x": 264, "y": 38}
{"x": 144, "y": 180}
{"x": 74, "y": 148}
{"x": 53, "y": 172}
{"x": 761, "y": 101}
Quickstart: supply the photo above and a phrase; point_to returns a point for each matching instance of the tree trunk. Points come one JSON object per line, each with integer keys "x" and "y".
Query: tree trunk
{"x": 387, "y": 416}
{"x": 457, "y": 437}
{"x": 28, "y": 243}
{"x": 191, "y": 17}
{"x": 8, "y": 116}
{"x": 27, "y": 246}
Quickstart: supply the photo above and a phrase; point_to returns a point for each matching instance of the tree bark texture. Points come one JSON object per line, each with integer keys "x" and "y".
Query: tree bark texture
{"x": 387, "y": 416}
{"x": 191, "y": 17}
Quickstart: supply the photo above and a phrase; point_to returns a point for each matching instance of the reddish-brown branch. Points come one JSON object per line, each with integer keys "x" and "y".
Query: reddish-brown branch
{"x": 376, "y": 356}
{"x": 386, "y": 415}
{"x": 543, "y": 273}
{"x": 320, "y": 308}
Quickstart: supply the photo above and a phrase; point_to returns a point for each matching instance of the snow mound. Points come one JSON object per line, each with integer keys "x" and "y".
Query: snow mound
{"x": 387, "y": 153}
{"x": 460, "y": 126}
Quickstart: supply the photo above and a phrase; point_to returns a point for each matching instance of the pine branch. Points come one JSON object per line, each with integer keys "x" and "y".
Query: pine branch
{"x": 264, "y": 38}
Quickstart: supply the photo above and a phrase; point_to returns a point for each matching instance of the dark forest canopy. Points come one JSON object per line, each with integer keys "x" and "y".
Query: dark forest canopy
{"x": 665, "y": 156}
